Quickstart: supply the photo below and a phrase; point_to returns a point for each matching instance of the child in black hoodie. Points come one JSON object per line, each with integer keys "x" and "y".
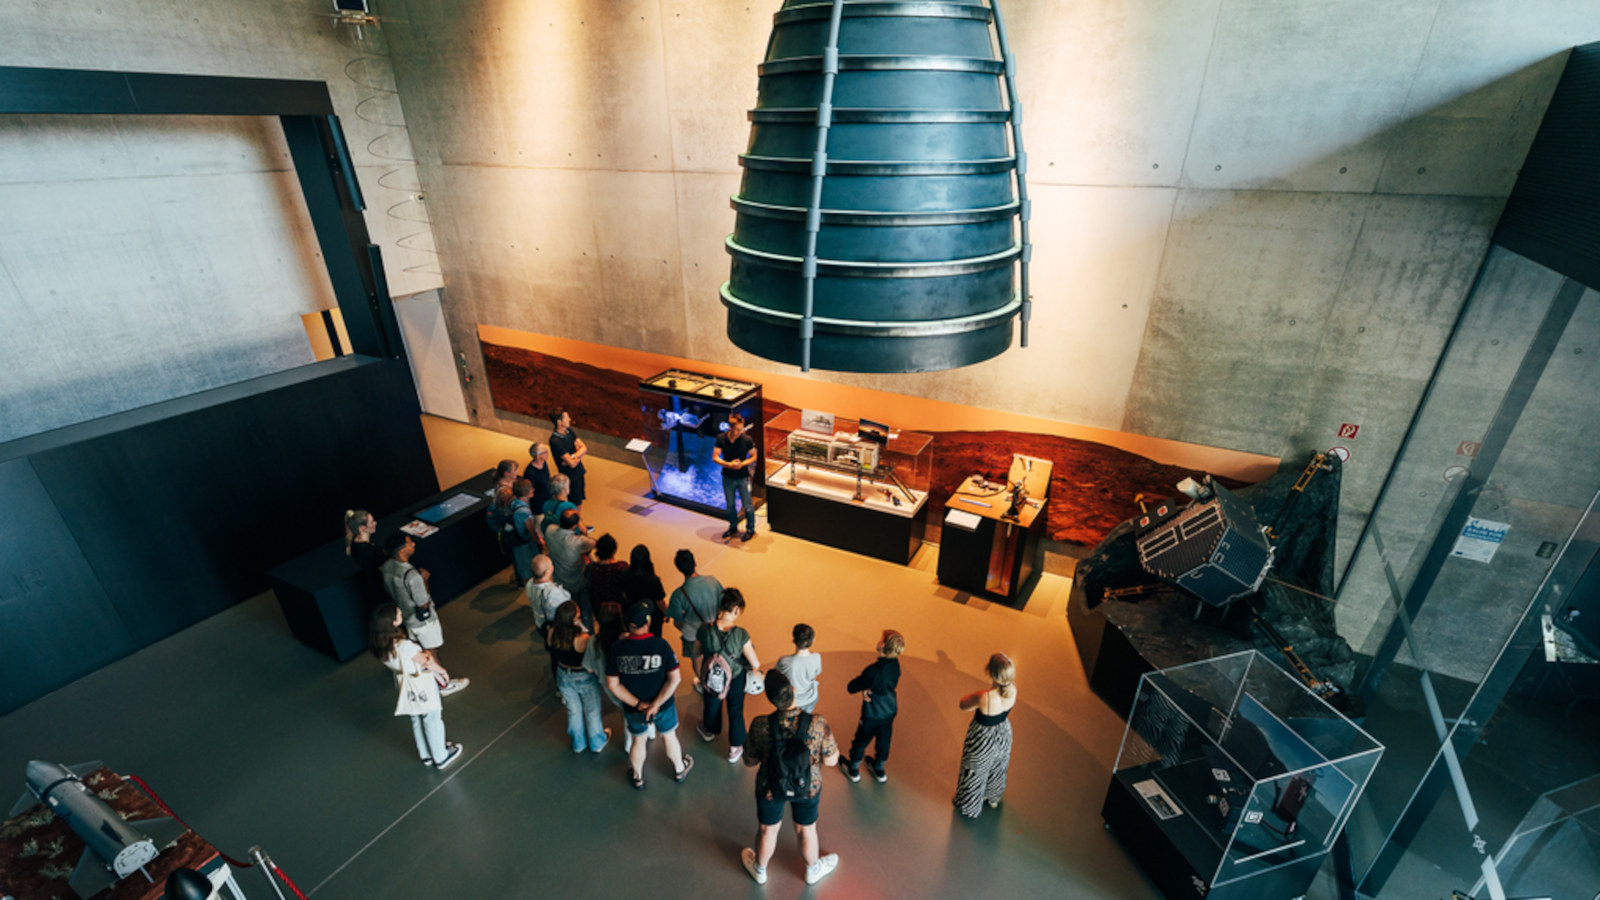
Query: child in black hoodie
{"x": 876, "y": 684}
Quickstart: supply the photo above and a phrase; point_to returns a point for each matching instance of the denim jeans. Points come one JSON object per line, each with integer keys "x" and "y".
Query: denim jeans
{"x": 581, "y": 692}
{"x": 740, "y": 488}
{"x": 428, "y": 729}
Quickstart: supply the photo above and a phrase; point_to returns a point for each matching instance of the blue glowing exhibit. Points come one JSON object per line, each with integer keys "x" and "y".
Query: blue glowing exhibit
{"x": 682, "y": 414}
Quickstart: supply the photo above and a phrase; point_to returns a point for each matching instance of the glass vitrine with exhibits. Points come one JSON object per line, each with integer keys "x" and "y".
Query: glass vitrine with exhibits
{"x": 1236, "y": 768}
{"x": 879, "y": 468}
{"x": 682, "y": 415}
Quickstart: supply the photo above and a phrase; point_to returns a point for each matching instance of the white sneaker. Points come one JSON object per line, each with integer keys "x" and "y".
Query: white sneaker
{"x": 759, "y": 873}
{"x": 823, "y": 868}
{"x": 456, "y": 684}
{"x": 734, "y": 754}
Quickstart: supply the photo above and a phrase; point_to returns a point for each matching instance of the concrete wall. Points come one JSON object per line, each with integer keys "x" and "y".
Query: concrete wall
{"x": 1255, "y": 222}
{"x": 145, "y": 258}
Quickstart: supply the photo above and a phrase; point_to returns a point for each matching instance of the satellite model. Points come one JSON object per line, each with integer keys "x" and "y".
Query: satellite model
{"x": 116, "y": 849}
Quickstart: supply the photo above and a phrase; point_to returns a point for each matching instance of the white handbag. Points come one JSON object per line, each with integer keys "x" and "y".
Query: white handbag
{"x": 419, "y": 694}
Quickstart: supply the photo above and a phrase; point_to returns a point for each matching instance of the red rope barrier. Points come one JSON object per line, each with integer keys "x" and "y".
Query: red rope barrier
{"x": 280, "y": 873}
{"x": 150, "y": 792}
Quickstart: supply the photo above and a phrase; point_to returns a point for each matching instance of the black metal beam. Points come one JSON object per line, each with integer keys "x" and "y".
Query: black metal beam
{"x": 94, "y": 92}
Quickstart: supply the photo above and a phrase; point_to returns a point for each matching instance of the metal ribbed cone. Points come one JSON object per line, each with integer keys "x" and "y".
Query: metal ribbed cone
{"x": 876, "y": 211}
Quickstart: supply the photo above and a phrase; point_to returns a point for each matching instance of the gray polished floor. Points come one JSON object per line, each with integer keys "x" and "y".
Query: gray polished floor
{"x": 256, "y": 739}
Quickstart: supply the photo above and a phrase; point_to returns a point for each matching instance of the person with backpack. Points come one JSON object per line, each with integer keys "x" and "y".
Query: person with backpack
{"x": 726, "y": 660}
{"x": 693, "y": 605}
{"x": 788, "y": 749}
{"x": 522, "y": 536}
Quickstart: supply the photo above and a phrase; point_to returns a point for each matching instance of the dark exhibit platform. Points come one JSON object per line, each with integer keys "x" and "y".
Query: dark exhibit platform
{"x": 1120, "y": 640}
{"x": 326, "y": 597}
{"x": 847, "y": 526}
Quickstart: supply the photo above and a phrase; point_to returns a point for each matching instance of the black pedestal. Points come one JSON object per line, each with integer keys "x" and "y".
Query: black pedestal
{"x": 326, "y": 597}
{"x": 848, "y": 526}
{"x": 996, "y": 559}
{"x": 1163, "y": 848}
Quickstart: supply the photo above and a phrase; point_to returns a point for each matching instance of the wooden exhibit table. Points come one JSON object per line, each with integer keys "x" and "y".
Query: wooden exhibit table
{"x": 326, "y": 597}
{"x": 982, "y": 549}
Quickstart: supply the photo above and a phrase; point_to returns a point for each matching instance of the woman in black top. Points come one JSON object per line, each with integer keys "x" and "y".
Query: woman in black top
{"x": 642, "y": 586}
{"x": 359, "y": 527}
{"x": 579, "y": 688}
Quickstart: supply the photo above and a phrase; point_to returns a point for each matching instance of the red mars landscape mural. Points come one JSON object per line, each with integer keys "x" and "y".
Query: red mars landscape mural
{"x": 1092, "y": 488}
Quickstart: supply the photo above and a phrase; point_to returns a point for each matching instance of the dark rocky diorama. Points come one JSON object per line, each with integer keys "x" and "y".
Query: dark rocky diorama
{"x": 1119, "y": 639}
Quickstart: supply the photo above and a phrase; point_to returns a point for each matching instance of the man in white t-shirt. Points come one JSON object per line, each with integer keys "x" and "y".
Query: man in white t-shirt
{"x": 544, "y": 595}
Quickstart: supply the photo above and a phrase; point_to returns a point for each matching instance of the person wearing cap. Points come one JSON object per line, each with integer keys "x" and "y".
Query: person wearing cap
{"x": 642, "y": 672}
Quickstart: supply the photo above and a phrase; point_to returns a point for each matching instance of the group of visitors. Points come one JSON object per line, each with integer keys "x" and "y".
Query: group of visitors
{"x": 601, "y": 620}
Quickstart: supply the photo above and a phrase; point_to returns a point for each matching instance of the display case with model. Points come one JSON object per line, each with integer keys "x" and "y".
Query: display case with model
{"x": 858, "y": 485}
{"x": 1234, "y": 780}
{"x": 683, "y": 413}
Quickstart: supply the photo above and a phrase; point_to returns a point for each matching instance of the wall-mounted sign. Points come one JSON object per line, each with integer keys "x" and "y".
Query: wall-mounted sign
{"x": 1469, "y": 449}
{"x": 816, "y": 420}
{"x": 1347, "y": 431}
{"x": 1451, "y": 473}
{"x": 1342, "y": 452}
{"x": 1480, "y": 539}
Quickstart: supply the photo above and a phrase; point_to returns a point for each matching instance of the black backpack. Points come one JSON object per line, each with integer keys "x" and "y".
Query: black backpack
{"x": 788, "y": 769}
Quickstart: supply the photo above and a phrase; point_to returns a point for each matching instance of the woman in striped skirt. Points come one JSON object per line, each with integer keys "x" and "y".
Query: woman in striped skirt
{"x": 987, "y": 752}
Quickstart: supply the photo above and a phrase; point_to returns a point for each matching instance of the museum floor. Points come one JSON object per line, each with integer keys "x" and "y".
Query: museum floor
{"x": 255, "y": 739}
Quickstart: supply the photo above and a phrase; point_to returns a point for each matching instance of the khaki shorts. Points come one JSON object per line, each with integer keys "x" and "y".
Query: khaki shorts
{"x": 429, "y": 634}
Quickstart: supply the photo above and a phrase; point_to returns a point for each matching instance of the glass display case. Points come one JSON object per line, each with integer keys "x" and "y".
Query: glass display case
{"x": 858, "y": 486}
{"x": 682, "y": 414}
{"x": 1233, "y": 767}
{"x": 845, "y": 465}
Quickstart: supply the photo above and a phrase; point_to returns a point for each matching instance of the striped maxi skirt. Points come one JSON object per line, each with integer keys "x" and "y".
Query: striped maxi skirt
{"x": 984, "y": 759}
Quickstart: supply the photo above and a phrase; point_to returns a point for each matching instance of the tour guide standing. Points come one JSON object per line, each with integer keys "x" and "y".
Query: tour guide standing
{"x": 790, "y": 746}
{"x": 735, "y": 452}
{"x": 569, "y": 451}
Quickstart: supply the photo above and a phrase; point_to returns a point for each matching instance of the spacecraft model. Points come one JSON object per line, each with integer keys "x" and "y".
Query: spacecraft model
{"x": 116, "y": 849}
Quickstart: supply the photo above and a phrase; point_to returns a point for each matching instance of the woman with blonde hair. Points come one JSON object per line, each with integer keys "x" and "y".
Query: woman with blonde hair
{"x": 359, "y": 527}
{"x": 986, "y": 754}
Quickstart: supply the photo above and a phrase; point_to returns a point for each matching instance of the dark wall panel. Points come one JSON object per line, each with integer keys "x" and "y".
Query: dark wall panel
{"x": 1553, "y": 214}
{"x": 173, "y": 518}
{"x": 58, "y": 623}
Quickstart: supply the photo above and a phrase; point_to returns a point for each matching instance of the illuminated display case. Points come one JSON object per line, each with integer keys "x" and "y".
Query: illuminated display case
{"x": 682, "y": 413}
{"x": 1234, "y": 780}
{"x": 844, "y": 489}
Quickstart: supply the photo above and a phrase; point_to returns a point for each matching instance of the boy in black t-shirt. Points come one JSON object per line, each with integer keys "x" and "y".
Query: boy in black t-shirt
{"x": 642, "y": 672}
{"x": 735, "y": 452}
{"x": 879, "y": 705}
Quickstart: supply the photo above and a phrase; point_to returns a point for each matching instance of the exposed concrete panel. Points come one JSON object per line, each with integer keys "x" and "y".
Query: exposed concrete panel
{"x": 704, "y": 218}
{"x": 1247, "y": 286}
{"x": 1296, "y": 92}
{"x": 207, "y": 207}
{"x": 547, "y": 84}
{"x": 1472, "y": 144}
{"x": 1547, "y": 466}
{"x": 636, "y": 227}
{"x": 1393, "y": 312}
{"x": 712, "y": 54}
{"x": 1109, "y": 89}
{"x": 145, "y": 260}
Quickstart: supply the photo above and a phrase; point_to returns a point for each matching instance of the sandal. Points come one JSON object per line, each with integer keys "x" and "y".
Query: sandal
{"x": 638, "y": 779}
{"x": 688, "y": 763}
